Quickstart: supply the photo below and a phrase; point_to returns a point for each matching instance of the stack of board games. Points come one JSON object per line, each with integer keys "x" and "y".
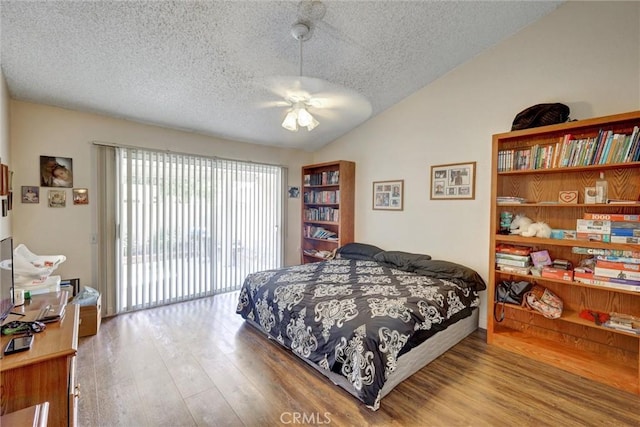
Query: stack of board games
{"x": 513, "y": 259}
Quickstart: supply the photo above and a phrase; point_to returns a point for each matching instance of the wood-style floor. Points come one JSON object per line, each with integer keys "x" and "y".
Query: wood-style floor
{"x": 198, "y": 363}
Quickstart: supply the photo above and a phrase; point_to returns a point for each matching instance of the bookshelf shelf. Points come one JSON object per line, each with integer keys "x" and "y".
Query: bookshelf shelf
{"x": 327, "y": 205}
{"x": 605, "y": 167}
{"x": 564, "y": 282}
{"x": 573, "y": 317}
{"x": 542, "y": 242}
{"x": 322, "y": 240}
{"x": 577, "y": 345}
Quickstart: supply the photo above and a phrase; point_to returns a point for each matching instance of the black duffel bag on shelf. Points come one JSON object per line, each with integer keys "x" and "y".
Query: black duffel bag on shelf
{"x": 509, "y": 293}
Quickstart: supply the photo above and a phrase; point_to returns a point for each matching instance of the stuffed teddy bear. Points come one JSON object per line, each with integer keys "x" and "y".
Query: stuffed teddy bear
{"x": 525, "y": 227}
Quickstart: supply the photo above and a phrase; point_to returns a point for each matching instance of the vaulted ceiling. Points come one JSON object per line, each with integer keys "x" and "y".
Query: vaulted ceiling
{"x": 217, "y": 67}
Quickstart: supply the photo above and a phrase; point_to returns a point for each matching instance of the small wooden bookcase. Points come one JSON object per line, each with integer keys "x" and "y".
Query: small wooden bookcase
{"x": 327, "y": 208}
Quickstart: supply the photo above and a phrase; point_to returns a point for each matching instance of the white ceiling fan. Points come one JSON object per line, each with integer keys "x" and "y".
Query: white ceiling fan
{"x": 309, "y": 102}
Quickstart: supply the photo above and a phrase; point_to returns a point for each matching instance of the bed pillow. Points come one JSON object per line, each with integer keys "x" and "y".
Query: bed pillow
{"x": 361, "y": 251}
{"x": 460, "y": 274}
{"x": 400, "y": 260}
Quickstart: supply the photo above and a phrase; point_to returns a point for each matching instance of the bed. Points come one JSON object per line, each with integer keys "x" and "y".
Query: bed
{"x": 367, "y": 319}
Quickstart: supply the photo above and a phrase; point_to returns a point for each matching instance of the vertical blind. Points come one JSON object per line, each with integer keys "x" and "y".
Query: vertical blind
{"x": 190, "y": 226}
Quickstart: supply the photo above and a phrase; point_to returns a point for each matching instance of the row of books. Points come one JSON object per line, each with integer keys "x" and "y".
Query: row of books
{"x": 319, "y": 233}
{"x": 323, "y": 213}
{"x": 322, "y": 196}
{"x": 605, "y": 148}
{"x": 324, "y": 178}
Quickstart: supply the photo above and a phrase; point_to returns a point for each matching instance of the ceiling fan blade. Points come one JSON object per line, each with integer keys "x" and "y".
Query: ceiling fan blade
{"x": 273, "y": 104}
{"x": 315, "y": 92}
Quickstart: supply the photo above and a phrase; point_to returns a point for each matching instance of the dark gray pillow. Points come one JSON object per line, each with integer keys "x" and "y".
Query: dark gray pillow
{"x": 460, "y": 274}
{"x": 399, "y": 259}
{"x": 360, "y": 251}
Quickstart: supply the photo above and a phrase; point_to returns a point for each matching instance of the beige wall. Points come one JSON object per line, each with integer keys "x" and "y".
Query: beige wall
{"x": 43, "y": 130}
{"x": 585, "y": 54}
{"x": 5, "y": 147}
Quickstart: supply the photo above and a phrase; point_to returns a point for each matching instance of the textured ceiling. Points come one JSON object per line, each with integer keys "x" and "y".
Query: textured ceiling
{"x": 208, "y": 66}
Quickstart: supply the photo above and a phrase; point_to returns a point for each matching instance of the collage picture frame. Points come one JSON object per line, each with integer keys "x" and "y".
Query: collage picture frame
{"x": 454, "y": 181}
{"x": 388, "y": 195}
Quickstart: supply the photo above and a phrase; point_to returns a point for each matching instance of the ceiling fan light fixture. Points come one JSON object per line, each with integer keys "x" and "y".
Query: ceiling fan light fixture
{"x": 299, "y": 116}
{"x": 313, "y": 124}
{"x": 291, "y": 121}
{"x": 304, "y": 117}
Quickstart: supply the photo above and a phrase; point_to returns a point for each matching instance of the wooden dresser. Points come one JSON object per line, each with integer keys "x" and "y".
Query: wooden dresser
{"x": 46, "y": 373}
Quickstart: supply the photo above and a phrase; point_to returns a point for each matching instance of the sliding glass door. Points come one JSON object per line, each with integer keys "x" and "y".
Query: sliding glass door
{"x": 190, "y": 226}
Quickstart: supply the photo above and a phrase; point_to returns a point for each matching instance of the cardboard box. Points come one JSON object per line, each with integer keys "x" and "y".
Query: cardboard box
{"x": 593, "y": 237}
{"x": 557, "y": 273}
{"x": 90, "y": 316}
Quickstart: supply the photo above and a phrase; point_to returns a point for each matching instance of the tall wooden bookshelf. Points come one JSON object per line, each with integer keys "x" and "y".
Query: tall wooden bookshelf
{"x": 571, "y": 343}
{"x": 327, "y": 208}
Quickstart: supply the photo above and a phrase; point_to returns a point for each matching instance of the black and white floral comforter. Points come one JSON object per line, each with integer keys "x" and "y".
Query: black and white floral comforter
{"x": 353, "y": 317}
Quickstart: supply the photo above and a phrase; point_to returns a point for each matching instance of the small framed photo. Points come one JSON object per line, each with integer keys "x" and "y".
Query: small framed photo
{"x": 590, "y": 195}
{"x": 80, "y": 196}
{"x": 30, "y": 194}
{"x": 57, "y": 198}
{"x": 294, "y": 192}
{"x": 455, "y": 181}
{"x": 388, "y": 195}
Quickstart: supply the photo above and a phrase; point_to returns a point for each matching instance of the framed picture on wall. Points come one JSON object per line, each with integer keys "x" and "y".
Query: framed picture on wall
{"x": 388, "y": 195}
{"x": 30, "y": 194}
{"x": 4, "y": 179}
{"x": 56, "y": 171}
{"x": 80, "y": 196}
{"x": 455, "y": 181}
{"x": 57, "y": 198}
